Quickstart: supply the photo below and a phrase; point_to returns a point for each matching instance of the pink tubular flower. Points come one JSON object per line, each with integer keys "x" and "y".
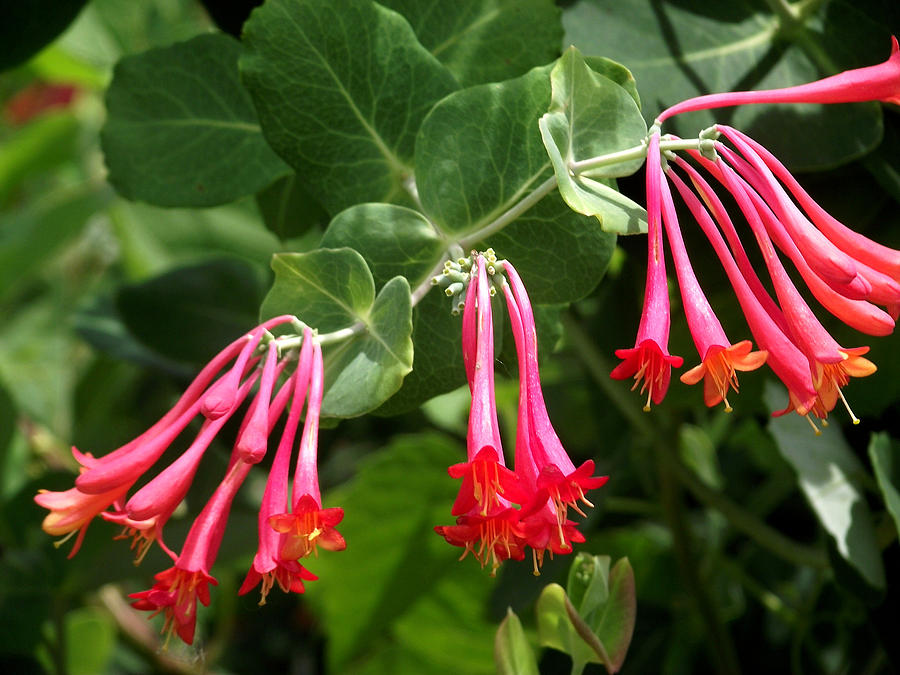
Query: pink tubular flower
{"x": 487, "y": 523}
{"x": 542, "y": 464}
{"x": 308, "y": 525}
{"x": 649, "y": 360}
{"x": 268, "y": 566}
{"x": 178, "y": 588}
{"x": 285, "y": 533}
{"x": 872, "y": 83}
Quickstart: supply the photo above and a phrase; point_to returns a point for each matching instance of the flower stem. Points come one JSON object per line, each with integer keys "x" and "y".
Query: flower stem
{"x": 585, "y": 166}
{"x": 670, "y": 494}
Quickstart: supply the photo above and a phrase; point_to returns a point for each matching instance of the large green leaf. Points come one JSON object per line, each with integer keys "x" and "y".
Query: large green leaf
{"x": 210, "y": 304}
{"x": 485, "y": 40}
{"x": 181, "y": 130}
{"x": 341, "y": 88}
{"x": 828, "y": 473}
{"x": 391, "y": 508}
{"x": 479, "y": 151}
{"x": 882, "y": 452}
{"x": 332, "y": 289}
{"x": 677, "y": 50}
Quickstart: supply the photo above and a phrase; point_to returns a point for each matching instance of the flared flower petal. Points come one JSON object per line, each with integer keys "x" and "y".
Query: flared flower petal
{"x": 717, "y": 370}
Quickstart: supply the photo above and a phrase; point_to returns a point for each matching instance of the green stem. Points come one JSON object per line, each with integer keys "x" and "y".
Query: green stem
{"x": 744, "y": 521}
{"x": 637, "y": 152}
{"x": 510, "y": 214}
{"x": 670, "y": 493}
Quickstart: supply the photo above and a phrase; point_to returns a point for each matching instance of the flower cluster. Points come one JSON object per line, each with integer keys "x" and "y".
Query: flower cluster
{"x": 848, "y": 274}
{"x": 292, "y": 522}
{"x": 544, "y": 482}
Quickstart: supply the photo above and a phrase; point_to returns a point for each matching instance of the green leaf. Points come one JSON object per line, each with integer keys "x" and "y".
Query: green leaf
{"x": 390, "y": 507}
{"x": 31, "y": 237}
{"x": 394, "y": 240}
{"x": 614, "y": 622}
{"x": 90, "y": 641}
{"x": 588, "y": 582}
{"x": 331, "y": 289}
{"x": 288, "y": 209}
{"x": 44, "y": 143}
{"x": 512, "y": 653}
{"x": 555, "y": 628}
{"x": 485, "y": 40}
{"x": 882, "y": 453}
{"x": 827, "y": 471}
{"x": 479, "y": 152}
{"x": 182, "y": 131}
{"x": 677, "y": 51}
{"x": 590, "y": 115}
{"x": 362, "y": 373}
{"x": 210, "y": 304}
{"x": 341, "y": 88}
{"x": 28, "y": 26}
{"x": 438, "y": 347}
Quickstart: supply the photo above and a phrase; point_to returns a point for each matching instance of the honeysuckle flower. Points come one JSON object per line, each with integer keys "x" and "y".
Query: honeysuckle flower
{"x": 649, "y": 361}
{"x": 308, "y": 525}
{"x": 268, "y": 566}
{"x": 541, "y": 463}
{"x": 487, "y": 522}
{"x": 872, "y": 83}
{"x": 288, "y": 531}
{"x": 719, "y": 357}
{"x": 178, "y": 588}
{"x": 767, "y": 324}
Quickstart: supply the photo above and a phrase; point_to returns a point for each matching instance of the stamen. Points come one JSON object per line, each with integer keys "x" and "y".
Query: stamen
{"x": 847, "y": 406}
{"x": 813, "y": 425}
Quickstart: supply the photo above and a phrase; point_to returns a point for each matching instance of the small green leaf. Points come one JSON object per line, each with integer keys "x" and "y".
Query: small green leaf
{"x": 394, "y": 240}
{"x": 288, "y": 209}
{"x": 590, "y": 115}
{"x": 364, "y": 372}
{"x": 588, "y": 583}
{"x": 485, "y": 40}
{"x": 512, "y": 653}
{"x": 90, "y": 641}
{"x": 181, "y": 130}
{"x": 341, "y": 88}
{"x": 827, "y": 471}
{"x": 882, "y": 454}
{"x": 555, "y": 627}
{"x": 328, "y": 289}
{"x": 331, "y": 289}
{"x": 614, "y": 622}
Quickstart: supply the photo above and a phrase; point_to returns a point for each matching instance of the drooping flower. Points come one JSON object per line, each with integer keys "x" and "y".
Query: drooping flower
{"x": 178, "y": 588}
{"x": 308, "y": 525}
{"x": 541, "y": 462}
{"x": 649, "y": 361}
{"x": 268, "y": 566}
{"x": 105, "y": 482}
{"x": 487, "y": 522}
